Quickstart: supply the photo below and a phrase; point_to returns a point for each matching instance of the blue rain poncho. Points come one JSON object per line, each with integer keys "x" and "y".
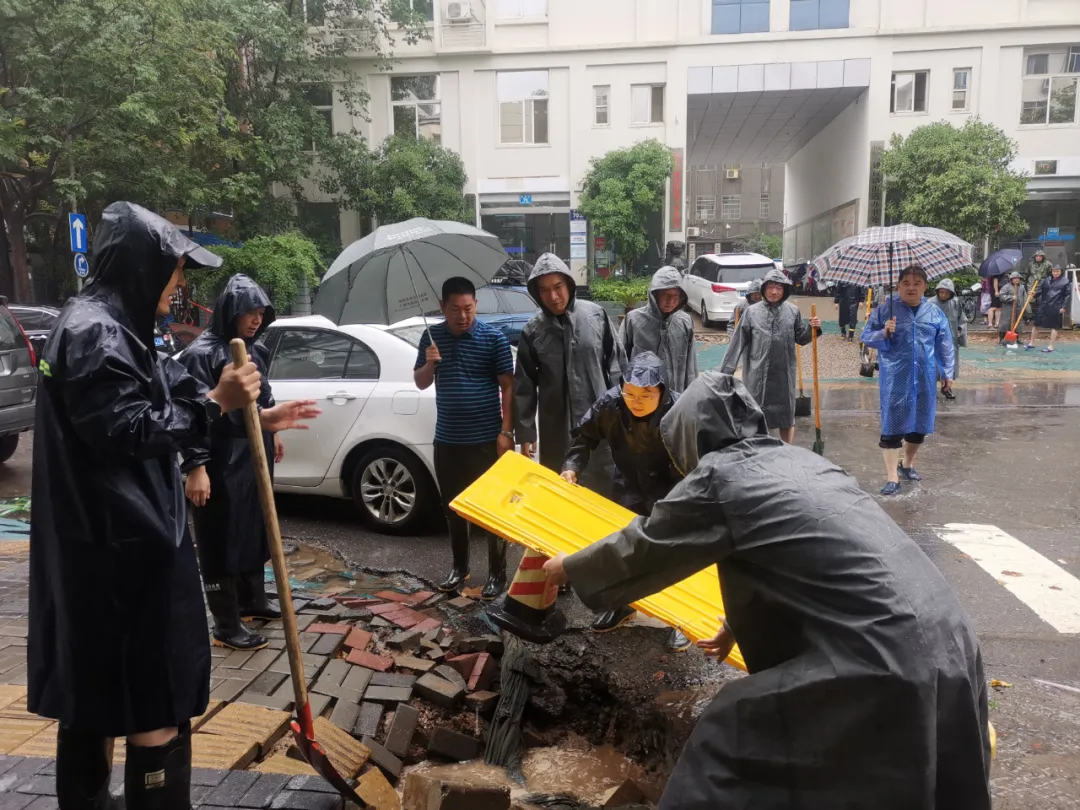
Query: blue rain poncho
{"x": 909, "y": 363}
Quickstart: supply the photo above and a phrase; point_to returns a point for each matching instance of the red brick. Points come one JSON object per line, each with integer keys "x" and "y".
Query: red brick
{"x": 404, "y": 620}
{"x": 418, "y": 597}
{"x": 370, "y": 660}
{"x": 464, "y": 663}
{"x": 392, "y": 596}
{"x": 359, "y": 602}
{"x": 384, "y": 608}
{"x": 483, "y": 672}
{"x": 428, "y": 625}
{"x": 358, "y": 639}
{"x": 337, "y": 629}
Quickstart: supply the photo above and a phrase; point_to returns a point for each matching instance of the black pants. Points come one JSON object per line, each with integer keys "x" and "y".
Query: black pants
{"x": 895, "y": 442}
{"x": 456, "y": 467}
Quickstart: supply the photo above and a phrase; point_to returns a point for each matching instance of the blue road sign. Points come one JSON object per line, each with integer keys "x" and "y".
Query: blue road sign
{"x": 77, "y": 232}
{"x": 1053, "y": 233}
{"x": 82, "y": 266}
{"x": 525, "y": 199}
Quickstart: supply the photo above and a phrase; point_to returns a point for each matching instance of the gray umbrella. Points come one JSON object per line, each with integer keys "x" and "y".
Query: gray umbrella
{"x": 398, "y": 271}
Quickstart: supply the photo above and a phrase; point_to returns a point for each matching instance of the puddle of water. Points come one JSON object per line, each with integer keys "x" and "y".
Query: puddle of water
{"x": 317, "y": 572}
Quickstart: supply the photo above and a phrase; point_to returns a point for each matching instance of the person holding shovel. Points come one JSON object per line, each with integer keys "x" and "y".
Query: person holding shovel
{"x": 765, "y": 342}
{"x": 914, "y": 345}
{"x": 117, "y": 645}
{"x": 1013, "y": 298}
{"x": 1055, "y": 295}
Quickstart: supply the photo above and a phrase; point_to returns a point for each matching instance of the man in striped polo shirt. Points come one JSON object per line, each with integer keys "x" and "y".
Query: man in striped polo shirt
{"x": 471, "y": 365}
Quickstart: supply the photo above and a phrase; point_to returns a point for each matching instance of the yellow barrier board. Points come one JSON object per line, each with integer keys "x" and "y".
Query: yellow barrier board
{"x": 528, "y": 504}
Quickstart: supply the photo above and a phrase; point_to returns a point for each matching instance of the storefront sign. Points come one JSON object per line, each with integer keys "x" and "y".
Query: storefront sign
{"x": 579, "y": 251}
{"x": 525, "y": 199}
{"x": 676, "y": 203}
{"x": 599, "y": 243}
{"x": 578, "y": 239}
{"x": 1053, "y": 233}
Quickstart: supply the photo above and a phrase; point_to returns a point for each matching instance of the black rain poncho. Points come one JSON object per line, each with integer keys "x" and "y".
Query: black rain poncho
{"x": 564, "y": 363}
{"x": 643, "y": 470}
{"x": 229, "y": 529}
{"x": 118, "y": 641}
{"x": 670, "y": 337}
{"x": 765, "y": 341}
{"x": 1054, "y": 296}
{"x": 848, "y": 297}
{"x": 866, "y": 685}
{"x": 745, "y": 303}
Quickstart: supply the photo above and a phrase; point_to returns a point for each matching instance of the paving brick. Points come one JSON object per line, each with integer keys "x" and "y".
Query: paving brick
{"x": 325, "y": 603}
{"x": 394, "y": 596}
{"x": 358, "y": 639}
{"x": 7, "y": 763}
{"x": 452, "y": 675}
{"x": 384, "y": 607}
{"x": 303, "y": 800}
{"x": 463, "y": 663}
{"x": 427, "y": 626}
{"x": 261, "y": 660}
{"x": 370, "y": 660}
{"x": 245, "y": 721}
{"x": 390, "y": 764}
{"x": 308, "y": 640}
{"x": 420, "y": 665}
{"x": 360, "y": 601}
{"x": 355, "y": 615}
{"x": 281, "y": 703}
{"x": 221, "y": 752}
{"x": 439, "y": 691}
{"x": 328, "y": 644}
{"x": 280, "y": 763}
{"x": 264, "y": 790}
{"x": 312, "y": 664}
{"x": 229, "y": 792}
{"x": 453, "y": 745}
{"x": 405, "y": 641}
{"x": 367, "y": 722}
{"x": 373, "y": 788}
{"x": 358, "y": 679}
{"x": 39, "y": 786}
{"x": 199, "y": 776}
{"x": 461, "y": 603}
{"x": 402, "y": 729}
{"x": 15, "y": 801}
{"x": 275, "y": 643}
{"x": 345, "y": 714}
{"x": 404, "y": 618}
{"x": 310, "y": 783}
{"x": 483, "y": 673}
{"x": 44, "y": 803}
{"x": 229, "y": 689}
{"x": 437, "y": 655}
{"x": 334, "y": 629}
{"x": 303, "y": 622}
{"x": 347, "y": 753}
{"x": 478, "y": 644}
{"x": 266, "y": 683}
{"x": 236, "y": 659}
{"x": 392, "y": 679}
{"x": 335, "y": 671}
{"x": 482, "y": 701}
{"x": 318, "y": 703}
{"x": 388, "y": 694}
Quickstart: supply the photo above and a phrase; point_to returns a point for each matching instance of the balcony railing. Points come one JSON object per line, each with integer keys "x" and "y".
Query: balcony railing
{"x": 463, "y": 33}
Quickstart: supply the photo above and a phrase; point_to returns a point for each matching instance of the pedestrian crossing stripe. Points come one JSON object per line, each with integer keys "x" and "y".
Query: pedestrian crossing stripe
{"x": 1045, "y": 587}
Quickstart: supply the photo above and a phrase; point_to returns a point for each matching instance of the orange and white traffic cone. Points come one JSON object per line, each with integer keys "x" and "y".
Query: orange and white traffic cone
{"x": 528, "y": 608}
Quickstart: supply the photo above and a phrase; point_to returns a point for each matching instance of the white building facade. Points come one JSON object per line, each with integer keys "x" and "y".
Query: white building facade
{"x": 528, "y": 91}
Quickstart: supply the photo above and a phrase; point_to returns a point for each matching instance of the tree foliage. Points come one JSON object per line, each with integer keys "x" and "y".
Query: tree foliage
{"x": 278, "y": 263}
{"x": 959, "y": 180}
{"x": 621, "y": 190}
{"x": 763, "y": 243}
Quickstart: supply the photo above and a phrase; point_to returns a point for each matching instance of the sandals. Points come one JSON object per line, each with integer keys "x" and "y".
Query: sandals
{"x": 1047, "y": 350}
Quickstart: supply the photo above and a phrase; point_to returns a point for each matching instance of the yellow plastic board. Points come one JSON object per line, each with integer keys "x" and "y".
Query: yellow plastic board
{"x": 526, "y": 503}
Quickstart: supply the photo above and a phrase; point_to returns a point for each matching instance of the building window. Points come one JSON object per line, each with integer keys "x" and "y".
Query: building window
{"x": 909, "y": 92}
{"x": 424, "y": 9}
{"x": 1045, "y": 167}
{"x": 961, "y": 88}
{"x": 521, "y": 9}
{"x": 601, "y": 98}
{"x": 647, "y": 104}
{"x": 1050, "y": 85}
{"x": 417, "y": 111}
{"x": 523, "y": 106}
{"x": 740, "y": 16}
{"x": 731, "y": 207}
{"x": 321, "y": 99}
{"x": 812, "y": 15}
{"x": 763, "y": 207}
{"x": 706, "y": 208}
{"x": 314, "y": 11}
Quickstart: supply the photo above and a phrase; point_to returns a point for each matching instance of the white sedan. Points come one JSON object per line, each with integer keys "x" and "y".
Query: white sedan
{"x": 373, "y": 441}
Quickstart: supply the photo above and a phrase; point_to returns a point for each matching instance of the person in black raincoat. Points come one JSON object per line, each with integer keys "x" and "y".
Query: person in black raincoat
{"x": 628, "y": 418}
{"x": 865, "y": 686}
{"x": 117, "y": 643}
{"x": 1055, "y": 294}
{"x": 229, "y": 529}
{"x": 847, "y": 298}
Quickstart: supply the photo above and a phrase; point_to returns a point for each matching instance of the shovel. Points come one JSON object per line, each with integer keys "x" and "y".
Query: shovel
{"x": 802, "y": 402}
{"x": 303, "y": 728}
{"x": 1011, "y": 335}
{"x": 819, "y": 443}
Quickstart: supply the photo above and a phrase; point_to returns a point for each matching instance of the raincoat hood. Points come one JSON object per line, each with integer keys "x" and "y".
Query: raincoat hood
{"x": 1014, "y": 274}
{"x": 754, "y": 288}
{"x": 646, "y": 370}
{"x": 947, "y": 284}
{"x": 241, "y": 294}
{"x": 666, "y": 278}
{"x": 716, "y": 411}
{"x": 135, "y": 253}
{"x": 777, "y": 277}
{"x": 545, "y": 265}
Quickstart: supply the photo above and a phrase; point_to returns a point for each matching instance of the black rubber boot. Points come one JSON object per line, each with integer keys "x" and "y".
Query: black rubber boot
{"x": 251, "y": 592}
{"x": 613, "y": 619}
{"x": 459, "y": 573}
{"x": 229, "y": 631}
{"x": 496, "y": 581}
{"x": 159, "y": 777}
{"x": 83, "y": 767}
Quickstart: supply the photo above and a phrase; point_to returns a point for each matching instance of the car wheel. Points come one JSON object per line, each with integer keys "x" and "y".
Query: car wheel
{"x": 705, "y": 316}
{"x": 392, "y": 490}
{"x": 7, "y": 446}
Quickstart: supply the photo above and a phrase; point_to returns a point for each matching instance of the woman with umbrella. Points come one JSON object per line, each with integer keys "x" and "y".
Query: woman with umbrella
{"x": 993, "y": 269}
{"x": 1054, "y": 294}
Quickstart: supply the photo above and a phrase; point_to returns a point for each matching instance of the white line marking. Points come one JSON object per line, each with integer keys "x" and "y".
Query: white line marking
{"x": 1049, "y": 590}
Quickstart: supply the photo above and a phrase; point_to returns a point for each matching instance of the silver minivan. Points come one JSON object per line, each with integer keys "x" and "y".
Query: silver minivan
{"x": 18, "y": 382}
{"x": 716, "y": 282}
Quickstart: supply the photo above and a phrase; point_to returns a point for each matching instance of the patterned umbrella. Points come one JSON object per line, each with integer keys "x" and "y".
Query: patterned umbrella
{"x": 875, "y": 255}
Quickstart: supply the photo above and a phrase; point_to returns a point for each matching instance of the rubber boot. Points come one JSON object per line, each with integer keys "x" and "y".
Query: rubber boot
{"x": 83, "y": 767}
{"x": 496, "y": 582}
{"x": 251, "y": 592}
{"x": 613, "y": 619}
{"x": 459, "y": 573}
{"x": 229, "y": 631}
{"x": 159, "y": 777}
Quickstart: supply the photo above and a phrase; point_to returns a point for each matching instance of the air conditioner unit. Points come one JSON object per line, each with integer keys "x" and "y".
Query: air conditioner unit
{"x": 732, "y": 174}
{"x": 693, "y": 232}
{"x": 459, "y": 11}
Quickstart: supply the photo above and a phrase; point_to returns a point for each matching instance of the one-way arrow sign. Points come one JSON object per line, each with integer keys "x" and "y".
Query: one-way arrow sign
{"x": 77, "y": 231}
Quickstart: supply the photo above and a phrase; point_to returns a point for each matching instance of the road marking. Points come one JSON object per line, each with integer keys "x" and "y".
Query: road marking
{"x": 1049, "y": 590}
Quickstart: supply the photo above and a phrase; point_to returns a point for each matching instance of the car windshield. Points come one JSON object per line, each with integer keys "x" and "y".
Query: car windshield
{"x": 742, "y": 275}
{"x": 410, "y": 334}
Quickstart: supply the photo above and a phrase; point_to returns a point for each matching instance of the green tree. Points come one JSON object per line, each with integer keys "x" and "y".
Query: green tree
{"x": 405, "y": 177}
{"x": 763, "y": 243}
{"x": 621, "y": 190}
{"x": 959, "y": 180}
{"x": 279, "y": 264}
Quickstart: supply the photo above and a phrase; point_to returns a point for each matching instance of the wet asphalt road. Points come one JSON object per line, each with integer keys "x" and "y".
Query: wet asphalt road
{"x": 1004, "y": 454}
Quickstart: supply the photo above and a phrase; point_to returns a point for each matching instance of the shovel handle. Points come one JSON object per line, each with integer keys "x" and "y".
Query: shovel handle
{"x": 277, "y": 552}
{"x": 798, "y": 364}
{"x": 813, "y": 348}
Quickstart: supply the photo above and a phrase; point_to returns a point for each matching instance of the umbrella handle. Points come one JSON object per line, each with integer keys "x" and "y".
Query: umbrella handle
{"x": 813, "y": 348}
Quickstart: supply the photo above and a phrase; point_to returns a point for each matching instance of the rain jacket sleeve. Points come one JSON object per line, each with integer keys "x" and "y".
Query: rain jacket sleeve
{"x": 944, "y": 351}
{"x": 105, "y": 397}
{"x": 803, "y": 330}
{"x": 874, "y": 332}
{"x": 526, "y": 385}
{"x": 586, "y": 438}
{"x": 614, "y": 354}
{"x": 740, "y": 343}
{"x": 680, "y": 537}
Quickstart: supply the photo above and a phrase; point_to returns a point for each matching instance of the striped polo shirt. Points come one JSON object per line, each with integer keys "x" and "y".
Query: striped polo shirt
{"x": 467, "y": 403}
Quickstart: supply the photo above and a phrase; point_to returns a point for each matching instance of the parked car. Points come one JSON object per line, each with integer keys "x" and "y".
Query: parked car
{"x": 508, "y": 309}
{"x": 36, "y": 322}
{"x": 716, "y": 282}
{"x": 383, "y": 461}
{"x": 18, "y": 382}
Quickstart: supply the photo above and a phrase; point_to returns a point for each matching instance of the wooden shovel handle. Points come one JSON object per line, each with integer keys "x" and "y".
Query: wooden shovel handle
{"x": 813, "y": 347}
{"x": 277, "y": 551}
{"x": 798, "y": 365}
